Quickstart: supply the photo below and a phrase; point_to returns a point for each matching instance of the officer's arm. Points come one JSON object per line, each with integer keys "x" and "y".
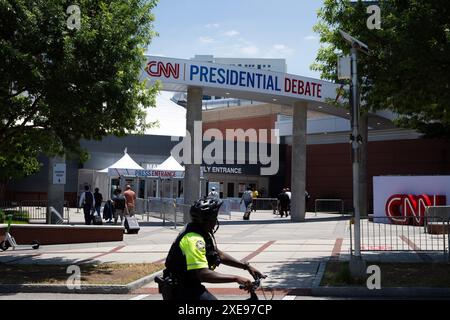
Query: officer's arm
{"x": 206, "y": 275}
{"x": 228, "y": 260}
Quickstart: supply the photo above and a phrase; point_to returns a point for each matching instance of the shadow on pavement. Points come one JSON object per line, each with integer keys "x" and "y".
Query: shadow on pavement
{"x": 295, "y": 274}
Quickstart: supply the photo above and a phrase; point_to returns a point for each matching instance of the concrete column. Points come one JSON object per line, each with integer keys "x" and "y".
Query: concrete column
{"x": 298, "y": 169}
{"x": 192, "y": 170}
{"x": 364, "y": 132}
{"x": 55, "y": 192}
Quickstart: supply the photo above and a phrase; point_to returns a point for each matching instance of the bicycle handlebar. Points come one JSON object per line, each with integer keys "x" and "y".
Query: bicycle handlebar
{"x": 255, "y": 285}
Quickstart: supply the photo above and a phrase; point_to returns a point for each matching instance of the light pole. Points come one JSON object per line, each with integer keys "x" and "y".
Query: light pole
{"x": 357, "y": 264}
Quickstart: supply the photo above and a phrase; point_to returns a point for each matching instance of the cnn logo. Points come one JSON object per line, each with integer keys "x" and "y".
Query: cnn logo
{"x": 410, "y": 209}
{"x": 158, "y": 69}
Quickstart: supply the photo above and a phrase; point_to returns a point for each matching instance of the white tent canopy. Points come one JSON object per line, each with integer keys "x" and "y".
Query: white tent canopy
{"x": 170, "y": 164}
{"x": 126, "y": 166}
{"x": 123, "y": 164}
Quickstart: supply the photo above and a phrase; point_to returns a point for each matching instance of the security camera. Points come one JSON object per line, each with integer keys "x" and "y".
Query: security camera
{"x": 355, "y": 43}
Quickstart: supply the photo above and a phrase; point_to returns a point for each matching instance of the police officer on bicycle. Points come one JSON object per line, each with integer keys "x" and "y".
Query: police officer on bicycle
{"x": 194, "y": 256}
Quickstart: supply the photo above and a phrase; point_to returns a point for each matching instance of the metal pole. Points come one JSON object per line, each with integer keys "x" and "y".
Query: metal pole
{"x": 355, "y": 148}
{"x": 351, "y": 240}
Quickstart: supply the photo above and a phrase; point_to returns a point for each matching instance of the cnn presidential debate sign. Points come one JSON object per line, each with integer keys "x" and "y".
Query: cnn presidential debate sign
{"x": 403, "y": 199}
{"x": 178, "y": 74}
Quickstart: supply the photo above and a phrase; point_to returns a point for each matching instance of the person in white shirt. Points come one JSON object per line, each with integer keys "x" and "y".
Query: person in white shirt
{"x": 213, "y": 194}
{"x": 288, "y": 192}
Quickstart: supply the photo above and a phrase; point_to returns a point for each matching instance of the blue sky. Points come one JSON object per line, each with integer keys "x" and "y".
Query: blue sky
{"x": 239, "y": 29}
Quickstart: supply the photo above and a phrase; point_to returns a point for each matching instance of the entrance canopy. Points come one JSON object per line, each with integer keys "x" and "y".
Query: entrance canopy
{"x": 231, "y": 81}
{"x": 125, "y": 166}
{"x": 170, "y": 168}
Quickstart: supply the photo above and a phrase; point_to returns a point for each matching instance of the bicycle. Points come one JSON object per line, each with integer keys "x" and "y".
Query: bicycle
{"x": 255, "y": 286}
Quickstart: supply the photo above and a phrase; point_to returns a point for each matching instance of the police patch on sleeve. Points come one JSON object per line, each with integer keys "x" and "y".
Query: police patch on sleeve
{"x": 200, "y": 245}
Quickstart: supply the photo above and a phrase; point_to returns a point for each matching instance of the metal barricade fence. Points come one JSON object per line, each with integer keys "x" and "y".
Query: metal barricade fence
{"x": 329, "y": 206}
{"x": 31, "y": 210}
{"x": 170, "y": 211}
{"x": 265, "y": 204}
{"x": 166, "y": 209}
{"x": 418, "y": 234}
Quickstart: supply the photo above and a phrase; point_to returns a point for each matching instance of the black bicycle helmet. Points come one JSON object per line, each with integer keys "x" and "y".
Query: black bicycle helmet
{"x": 205, "y": 210}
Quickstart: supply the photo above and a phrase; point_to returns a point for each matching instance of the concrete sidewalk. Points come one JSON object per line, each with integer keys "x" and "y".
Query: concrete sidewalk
{"x": 289, "y": 253}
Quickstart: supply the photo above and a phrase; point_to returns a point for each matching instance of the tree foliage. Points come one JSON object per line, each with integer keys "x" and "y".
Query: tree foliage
{"x": 408, "y": 68}
{"x": 59, "y": 85}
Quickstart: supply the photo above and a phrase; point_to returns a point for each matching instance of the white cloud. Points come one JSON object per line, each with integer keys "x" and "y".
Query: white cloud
{"x": 212, "y": 25}
{"x": 231, "y": 33}
{"x": 281, "y": 49}
{"x": 250, "y": 50}
{"x": 311, "y": 38}
{"x": 206, "y": 40}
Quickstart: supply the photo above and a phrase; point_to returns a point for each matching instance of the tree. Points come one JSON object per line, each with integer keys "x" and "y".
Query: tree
{"x": 408, "y": 68}
{"x": 60, "y": 84}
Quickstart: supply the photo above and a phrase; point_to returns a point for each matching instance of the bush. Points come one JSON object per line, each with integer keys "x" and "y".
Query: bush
{"x": 22, "y": 216}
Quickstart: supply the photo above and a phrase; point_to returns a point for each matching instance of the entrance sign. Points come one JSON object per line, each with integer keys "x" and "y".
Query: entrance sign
{"x": 165, "y": 174}
{"x": 59, "y": 173}
{"x": 225, "y": 80}
{"x": 403, "y": 198}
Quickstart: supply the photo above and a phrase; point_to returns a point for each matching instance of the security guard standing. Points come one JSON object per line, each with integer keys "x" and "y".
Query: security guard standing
{"x": 194, "y": 255}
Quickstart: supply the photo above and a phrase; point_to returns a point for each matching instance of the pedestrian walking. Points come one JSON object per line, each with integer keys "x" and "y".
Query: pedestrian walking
{"x": 98, "y": 200}
{"x": 120, "y": 205}
{"x": 255, "y": 195}
{"x": 87, "y": 203}
{"x": 289, "y": 194}
{"x": 130, "y": 197}
{"x": 247, "y": 198}
{"x": 108, "y": 211}
{"x": 213, "y": 194}
{"x": 283, "y": 200}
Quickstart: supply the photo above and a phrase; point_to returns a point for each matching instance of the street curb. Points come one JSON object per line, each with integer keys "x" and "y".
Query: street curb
{"x": 382, "y": 293}
{"x": 320, "y": 273}
{"x": 87, "y": 288}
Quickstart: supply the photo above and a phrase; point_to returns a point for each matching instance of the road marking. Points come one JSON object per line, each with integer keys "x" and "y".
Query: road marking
{"x": 140, "y": 297}
{"x": 258, "y": 251}
{"x": 337, "y": 249}
{"x": 101, "y": 255}
{"x": 413, "y": 246}
{"x": 289, "y": 298}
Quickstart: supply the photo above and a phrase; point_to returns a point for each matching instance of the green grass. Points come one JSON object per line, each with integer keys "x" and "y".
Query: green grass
{"x": 120, "y": 274}
{"x": 430, "y": 275}
{"x": 337, "y": 274}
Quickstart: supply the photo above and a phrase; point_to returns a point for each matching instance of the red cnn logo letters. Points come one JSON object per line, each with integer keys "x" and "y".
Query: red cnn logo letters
{"x": 157, "y": 69}
{"x": 410, "y": 209}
